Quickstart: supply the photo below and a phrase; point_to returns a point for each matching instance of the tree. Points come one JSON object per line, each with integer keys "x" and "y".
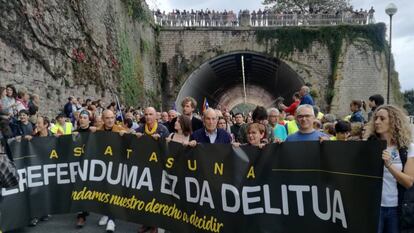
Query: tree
{"x": 308, "y": 6}
{"x": 409, "y": 101}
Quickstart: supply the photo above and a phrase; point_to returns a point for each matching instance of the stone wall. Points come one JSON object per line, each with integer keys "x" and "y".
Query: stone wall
{"x": 183, "y": 51}
{"x": 361, "y": 73}
{"x": 96, "y": 49}
{"x": 61, "y": 48}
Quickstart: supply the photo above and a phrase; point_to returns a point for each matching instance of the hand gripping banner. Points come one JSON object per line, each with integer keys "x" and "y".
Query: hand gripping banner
{"x": 288, "y": 188}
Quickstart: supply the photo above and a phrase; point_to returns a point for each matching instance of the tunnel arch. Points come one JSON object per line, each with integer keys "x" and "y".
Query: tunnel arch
{"x": 219, "y": 80}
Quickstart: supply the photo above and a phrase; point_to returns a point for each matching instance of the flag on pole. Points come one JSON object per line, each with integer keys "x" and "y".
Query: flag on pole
{"x": 205, "y": 104}
{"x": 119, "y": 116}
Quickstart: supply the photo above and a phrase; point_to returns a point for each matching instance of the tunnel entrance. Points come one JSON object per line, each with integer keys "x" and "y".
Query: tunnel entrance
{"x": 220, "y": 81}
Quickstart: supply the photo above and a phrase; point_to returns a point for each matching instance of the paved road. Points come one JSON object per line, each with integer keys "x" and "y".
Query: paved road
{"x": 67, "y": 224}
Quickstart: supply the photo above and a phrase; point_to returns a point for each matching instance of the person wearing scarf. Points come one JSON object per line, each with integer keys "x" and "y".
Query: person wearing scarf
{"x": 151, "y": 126}
{"x": 155, "y": 130}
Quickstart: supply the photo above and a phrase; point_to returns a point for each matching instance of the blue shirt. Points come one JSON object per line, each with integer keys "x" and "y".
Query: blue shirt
{"x": 298, "y": 136}
{"x": 280, "y": 132}
{"x": 357, "y": 117}
{"x": 306, "y": 99}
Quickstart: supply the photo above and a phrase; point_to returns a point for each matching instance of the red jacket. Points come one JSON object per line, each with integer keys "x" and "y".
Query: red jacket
{"x": 292, "y": 108}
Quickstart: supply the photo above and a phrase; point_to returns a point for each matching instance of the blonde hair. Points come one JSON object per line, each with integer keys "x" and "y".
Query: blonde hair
{"x": 399, "y": 126}
{"x": 256, "y": 126}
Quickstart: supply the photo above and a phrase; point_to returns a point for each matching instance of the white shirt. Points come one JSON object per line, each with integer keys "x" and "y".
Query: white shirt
{"x": 389, "y": 196}
{"x": 212, "y": 136}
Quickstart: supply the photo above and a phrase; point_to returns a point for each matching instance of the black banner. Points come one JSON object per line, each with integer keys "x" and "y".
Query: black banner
{"x": 288, "y": 188}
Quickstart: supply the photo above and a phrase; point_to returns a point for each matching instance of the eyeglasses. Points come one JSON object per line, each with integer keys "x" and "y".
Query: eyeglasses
{"x": 273, "y": 116}
{"x": 304, "y": 116}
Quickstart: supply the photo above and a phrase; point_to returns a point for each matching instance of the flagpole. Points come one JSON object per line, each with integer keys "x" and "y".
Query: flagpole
{"x": 119, "y": 107}
{"x": 244, "y": 80}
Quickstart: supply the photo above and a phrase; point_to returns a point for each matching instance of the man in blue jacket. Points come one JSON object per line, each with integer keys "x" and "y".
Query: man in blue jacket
{"x": 306, "y": 98}
{"x": 210, "y": 133}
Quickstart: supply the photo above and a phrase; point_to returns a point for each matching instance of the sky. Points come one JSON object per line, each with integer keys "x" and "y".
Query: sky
{"x": 402, "y": 26}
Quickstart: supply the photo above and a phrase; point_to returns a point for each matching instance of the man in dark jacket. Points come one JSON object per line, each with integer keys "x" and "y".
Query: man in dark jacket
{"x": 210, "y": 133}
{"x": 189, "y": 104}
{"x": 152, "y": 127}
{"x": 235, "y": 128}
{"x": 68, "y": 108}
{"x": 374, "y": 102}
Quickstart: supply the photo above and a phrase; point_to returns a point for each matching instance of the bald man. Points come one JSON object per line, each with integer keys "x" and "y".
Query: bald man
{"x": 210, "y": 133}
{"x": 108, "y": 118}
{"x": 151, "y": 126}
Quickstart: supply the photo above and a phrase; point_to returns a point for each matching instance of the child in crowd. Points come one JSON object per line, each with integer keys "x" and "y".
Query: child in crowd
{"x": 343, "y": 130}
{"x": 356, "y": 115}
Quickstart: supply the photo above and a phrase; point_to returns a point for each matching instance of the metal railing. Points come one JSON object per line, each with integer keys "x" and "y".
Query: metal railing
{"x": 259, "y": 20}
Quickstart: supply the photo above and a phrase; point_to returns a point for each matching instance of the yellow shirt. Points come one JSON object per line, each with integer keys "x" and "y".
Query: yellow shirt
{"x": 347, "y": 118}
{"x": 58, "y": 129}
{"x": 320, "y": 116}
{"x": 292, "y": 127}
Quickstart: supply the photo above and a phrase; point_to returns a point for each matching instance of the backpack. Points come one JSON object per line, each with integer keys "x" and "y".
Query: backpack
{"x": 405, "y": 198}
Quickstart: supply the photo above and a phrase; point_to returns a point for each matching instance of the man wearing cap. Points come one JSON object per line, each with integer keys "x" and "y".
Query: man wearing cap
{"x": 61, "y": 127}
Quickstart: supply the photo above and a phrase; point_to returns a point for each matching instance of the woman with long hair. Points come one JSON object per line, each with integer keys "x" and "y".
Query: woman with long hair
{"x": 391, "y": 125}
{"x": 182, "y": 128}
{"x": 9, "y": 101}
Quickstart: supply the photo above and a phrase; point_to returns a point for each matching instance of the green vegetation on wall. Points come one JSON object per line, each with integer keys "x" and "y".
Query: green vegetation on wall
{"x": 132, "y": 74}
{"x": 286, "y": 40}
{"x": 137, "y": 10}
{"x": 145, "y": 46}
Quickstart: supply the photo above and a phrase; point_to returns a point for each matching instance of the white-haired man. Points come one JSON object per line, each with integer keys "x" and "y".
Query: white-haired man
{"x": 305, "y": 97}
{"x": 305, "y": 116}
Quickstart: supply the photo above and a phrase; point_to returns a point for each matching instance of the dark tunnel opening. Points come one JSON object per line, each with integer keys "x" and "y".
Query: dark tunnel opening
{"x": 220, "y": 80}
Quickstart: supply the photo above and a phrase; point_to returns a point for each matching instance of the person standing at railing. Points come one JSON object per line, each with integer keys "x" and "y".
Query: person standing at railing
{"x": 253, "y": 18}
{"x": 371, "y": 15}
{"x": 192, "y": 17}
{"x": 259, "y": 17}
{"x": 265, "y": 16}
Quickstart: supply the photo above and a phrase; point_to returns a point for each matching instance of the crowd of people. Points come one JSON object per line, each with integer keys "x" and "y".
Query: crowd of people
{"x": 301, "y": 120}
{"x": 262, "y": 18}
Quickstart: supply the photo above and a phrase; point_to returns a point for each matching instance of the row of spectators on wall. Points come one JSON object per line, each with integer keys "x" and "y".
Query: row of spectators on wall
{"x": 266, "y": 17}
